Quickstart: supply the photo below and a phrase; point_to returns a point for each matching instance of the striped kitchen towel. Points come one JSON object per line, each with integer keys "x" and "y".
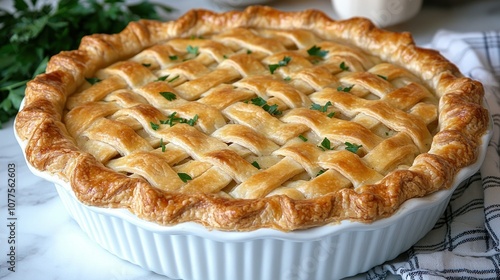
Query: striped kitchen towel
{"x": 465, "y": 242}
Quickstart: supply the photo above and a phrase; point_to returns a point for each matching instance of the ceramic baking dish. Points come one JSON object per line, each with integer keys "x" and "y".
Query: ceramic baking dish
{"x": 191, "y": 252}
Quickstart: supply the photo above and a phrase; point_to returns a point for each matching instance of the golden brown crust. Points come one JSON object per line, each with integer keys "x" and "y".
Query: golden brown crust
{"x": 53, "y": 146}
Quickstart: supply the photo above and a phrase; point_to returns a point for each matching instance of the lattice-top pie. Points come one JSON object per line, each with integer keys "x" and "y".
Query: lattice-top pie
{"x": 252, "y": 119}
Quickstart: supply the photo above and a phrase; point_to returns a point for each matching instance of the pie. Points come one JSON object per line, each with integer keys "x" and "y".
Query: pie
{"x": 252, "y": 119}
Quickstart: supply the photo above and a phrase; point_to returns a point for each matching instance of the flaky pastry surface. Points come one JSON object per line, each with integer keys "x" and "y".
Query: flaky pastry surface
{"x": 252, "y": 119}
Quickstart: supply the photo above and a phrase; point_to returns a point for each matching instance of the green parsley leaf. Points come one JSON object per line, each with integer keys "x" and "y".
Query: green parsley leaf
{"x": 154, "y": 126}
{"x": 168, "y": 95}
{"x": 256, "y": 164}
{"x": 331, "y": 114}
{"x": 303, "y": 138}
{"x": 316, "y": 51}
{"x": 273, "y": 109}
{"x": 287, "y": 79}
{"x": 326, "y": 144}
{"x": 192, "y": 50}
{"x": 173, "y": 57}
{"x": 93, "y": 80}
{"x": 283, "y": 62}
{"x": 352, "y": 147}
{"x": 173, "y": 79}
{"x": 162, "y": 145}
{"x": 146, "y": 64}
{"x": 343, "y": 67}
{"x": 383, "y": 77}
{"x": 259, "y": 101}
{"x": 273, "y": 67}
{"x": 321, "y": 172}
{"x": 320, "y": 108}
{"x": 162, "y": 78}
{"x": 192, "y": 121}
{"x": 249, "y": 51}
{"x": 184, "y": 177}
{"x": 344, "y": 89}
{"x": 173, "y": 120}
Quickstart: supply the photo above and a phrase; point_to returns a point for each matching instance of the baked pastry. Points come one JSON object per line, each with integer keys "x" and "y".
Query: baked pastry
{"x": 252, "y": 119}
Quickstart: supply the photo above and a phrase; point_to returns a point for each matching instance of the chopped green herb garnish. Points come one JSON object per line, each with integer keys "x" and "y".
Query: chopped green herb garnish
{"x": 192, "y": 50}
{"x": 287, "y": 79}
{"x": 192, "y": 121}
{"x": 303, "y": 138}
{"x": 173, "y": 57}
{"x": 146, "y": 64}
{"x": 168, "y": 95}
{"x": 162, "y": 145}
{"x": 273, "y": 67}
{"x": 154, "y": 126}
{"x": 162, "y": 78}
{"x": 343, "y": 67}
{"x": 259, "y": 101}
{"x": 316, "y": 51}
{"x": 320, "y": 108}
{"x": 172, "y": 120}
{"x": 225, "y": 56}
{"x": 321, "y": 172}
{"x": 326, "y": 144}
{"x": 383, "y": 77}
{"x": 283, "y": 62}
{"x": 93, "y": 80}
{"x": 331, "y": 114}
{"x": 256, "y": 164}
{"x": 249, "y": 51}
{"x": 344, "y": 89}
{"x": 352, "y": 147}
{"x": 173, "y": 79}
{"x": 184, "y": 177}
{"x": 273, "y": 109}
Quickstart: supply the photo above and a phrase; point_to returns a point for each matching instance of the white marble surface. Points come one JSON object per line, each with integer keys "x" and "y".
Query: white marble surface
{"x": 50, "y": 245}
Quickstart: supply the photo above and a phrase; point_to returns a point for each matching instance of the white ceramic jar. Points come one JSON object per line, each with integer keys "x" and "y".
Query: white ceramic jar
{"x": 382, "y": 12}
{"x": 242, "y": 3}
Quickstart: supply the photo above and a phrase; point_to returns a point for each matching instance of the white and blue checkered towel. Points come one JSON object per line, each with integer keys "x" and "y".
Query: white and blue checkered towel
{"x": 465, "y": 242}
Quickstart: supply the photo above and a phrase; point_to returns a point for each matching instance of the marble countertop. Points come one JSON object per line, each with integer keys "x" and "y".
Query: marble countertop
{"x": 50, "y": 245}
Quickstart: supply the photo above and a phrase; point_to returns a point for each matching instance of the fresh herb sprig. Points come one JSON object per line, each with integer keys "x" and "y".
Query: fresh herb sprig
{"x": 325, "y": 144}
{"x": 271, "y": 109}
{"x": 173, "y": 120}
{"x": 31, "y": 33}
{"x": 320, "y": 108}
{"x": 283, "y": 62}
{"x": 351, "y": 147}
{"x": 316, "y": 51}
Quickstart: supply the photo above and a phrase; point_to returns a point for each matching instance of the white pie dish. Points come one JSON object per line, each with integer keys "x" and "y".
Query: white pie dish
{"x": 190, "y": 251}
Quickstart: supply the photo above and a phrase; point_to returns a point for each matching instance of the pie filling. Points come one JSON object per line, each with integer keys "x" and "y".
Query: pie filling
{"x": 257, "y": 126}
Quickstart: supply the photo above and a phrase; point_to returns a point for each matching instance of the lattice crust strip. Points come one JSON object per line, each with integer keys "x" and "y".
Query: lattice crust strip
{"x": 277, "y": 116}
